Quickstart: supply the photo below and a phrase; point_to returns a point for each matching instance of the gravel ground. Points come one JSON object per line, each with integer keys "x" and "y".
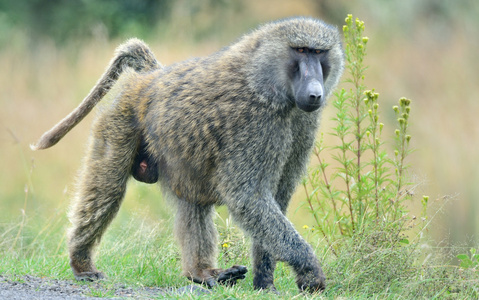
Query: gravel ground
{"x": 30, "y": 287}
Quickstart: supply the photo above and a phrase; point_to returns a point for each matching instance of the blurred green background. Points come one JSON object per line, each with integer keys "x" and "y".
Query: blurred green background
{"x": 53, "y": 51}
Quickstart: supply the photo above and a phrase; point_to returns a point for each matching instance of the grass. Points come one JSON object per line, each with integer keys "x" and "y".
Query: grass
{"x": 139, "y": 252}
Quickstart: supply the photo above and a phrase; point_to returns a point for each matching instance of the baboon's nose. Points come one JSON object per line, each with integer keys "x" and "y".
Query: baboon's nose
{"x": 314, "y": 97}
{"x": 315, "y": 91}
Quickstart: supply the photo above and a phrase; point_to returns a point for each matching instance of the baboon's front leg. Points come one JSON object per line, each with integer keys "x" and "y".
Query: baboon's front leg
{"x": 100, "y": 190}
{"x": 264, "y": 263}
{"x": 197, "y": 236}
{"x": 263, "y": 268}
{"x": 275, "y": 239}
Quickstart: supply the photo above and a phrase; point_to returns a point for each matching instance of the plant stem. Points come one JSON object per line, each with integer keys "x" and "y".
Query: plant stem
{"x": 328, "y": 188}
{"x": 315, "y": 215}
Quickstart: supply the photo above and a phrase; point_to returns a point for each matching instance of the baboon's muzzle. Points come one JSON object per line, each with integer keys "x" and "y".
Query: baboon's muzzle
{"x": 309, "y": 89}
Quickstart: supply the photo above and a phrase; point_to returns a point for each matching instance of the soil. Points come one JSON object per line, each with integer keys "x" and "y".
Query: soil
{"x": 32, "y": 288}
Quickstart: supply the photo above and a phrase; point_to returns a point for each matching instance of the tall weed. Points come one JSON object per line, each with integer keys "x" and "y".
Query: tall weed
{"x": 359, "y": 200}
{"x": 363, "y": 189}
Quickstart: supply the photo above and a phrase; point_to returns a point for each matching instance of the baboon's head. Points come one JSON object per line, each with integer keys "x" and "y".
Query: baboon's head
{"x": 296, "y": 62}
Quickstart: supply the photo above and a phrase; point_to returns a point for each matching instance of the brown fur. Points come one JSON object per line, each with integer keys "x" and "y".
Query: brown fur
{"x": 223, "y": 129}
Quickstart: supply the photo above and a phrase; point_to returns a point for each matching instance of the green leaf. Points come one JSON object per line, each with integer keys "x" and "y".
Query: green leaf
{"x": 466, "y": 262}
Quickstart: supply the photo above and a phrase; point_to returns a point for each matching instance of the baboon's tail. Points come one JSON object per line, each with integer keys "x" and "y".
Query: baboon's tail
{"x": 134, "y": 54}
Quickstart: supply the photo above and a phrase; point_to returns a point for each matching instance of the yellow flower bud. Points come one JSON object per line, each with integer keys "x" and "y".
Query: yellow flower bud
{"x": 404, "y": 102}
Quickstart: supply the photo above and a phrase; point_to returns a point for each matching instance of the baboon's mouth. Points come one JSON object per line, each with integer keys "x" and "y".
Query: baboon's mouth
{"x": 309, "y": 107}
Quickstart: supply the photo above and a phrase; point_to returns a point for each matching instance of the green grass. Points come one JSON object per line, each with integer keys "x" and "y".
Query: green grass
{"x": 138, "y": 252}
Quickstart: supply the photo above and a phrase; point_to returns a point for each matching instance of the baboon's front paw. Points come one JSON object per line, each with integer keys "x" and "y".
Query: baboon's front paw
{"x": 265, "y": 284}
{"x": 231, "y": 275}
{"x": 312, "y": 282}
{"x": 315, "y": 286}
{"x": 267, "y": 289}
{"x": 89, "y": 276}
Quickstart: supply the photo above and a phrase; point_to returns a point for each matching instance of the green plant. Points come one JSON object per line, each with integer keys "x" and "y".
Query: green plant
{"x": 232, "y": 243}
{"x": 357, "y": 193}
{"x": 469, "y": 261}
{"x": 363, "y": 189}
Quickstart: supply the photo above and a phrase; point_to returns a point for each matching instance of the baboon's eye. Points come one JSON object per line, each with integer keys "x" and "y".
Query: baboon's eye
{"x": 317, "y": 51}
{"x": 301, "y": 50}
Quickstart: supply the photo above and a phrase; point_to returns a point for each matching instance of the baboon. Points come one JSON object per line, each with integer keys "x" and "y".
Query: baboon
{"x": 234, "y": 128}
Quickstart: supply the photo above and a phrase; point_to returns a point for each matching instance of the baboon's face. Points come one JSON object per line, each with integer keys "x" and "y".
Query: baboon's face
{"x": 309, "y": 69}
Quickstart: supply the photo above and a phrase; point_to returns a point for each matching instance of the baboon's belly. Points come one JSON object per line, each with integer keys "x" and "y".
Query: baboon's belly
{"x": 189, "y": 181}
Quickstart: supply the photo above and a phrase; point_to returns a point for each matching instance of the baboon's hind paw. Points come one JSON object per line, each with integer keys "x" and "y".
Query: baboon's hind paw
{"x": 89, "y": 276}
{"x": 212, "y": 277}
{"x": 231, "y": 275}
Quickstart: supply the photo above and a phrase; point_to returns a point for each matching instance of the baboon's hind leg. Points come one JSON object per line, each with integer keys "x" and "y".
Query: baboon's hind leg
{"x": 100, "y": 190}
{"x": 197, "y": 236}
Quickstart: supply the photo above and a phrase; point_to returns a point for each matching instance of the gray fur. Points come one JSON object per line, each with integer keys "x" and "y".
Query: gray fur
{"x": 223, "y": 130}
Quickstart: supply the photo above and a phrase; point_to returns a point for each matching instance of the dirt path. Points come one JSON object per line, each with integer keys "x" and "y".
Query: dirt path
{"x": 32, "y": 288}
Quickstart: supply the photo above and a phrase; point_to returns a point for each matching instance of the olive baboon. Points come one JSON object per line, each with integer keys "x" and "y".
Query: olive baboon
{"x": 234, "y": 128}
